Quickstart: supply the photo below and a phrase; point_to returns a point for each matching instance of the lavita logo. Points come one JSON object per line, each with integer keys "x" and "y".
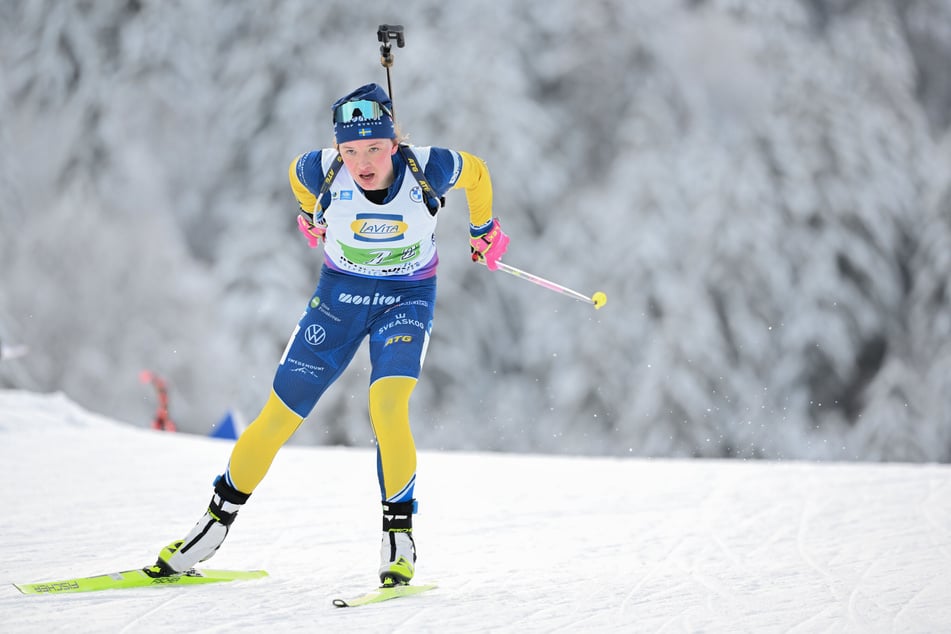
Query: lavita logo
{"x": 378, "y": 227}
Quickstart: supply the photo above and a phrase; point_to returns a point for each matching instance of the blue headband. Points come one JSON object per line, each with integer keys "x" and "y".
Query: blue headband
{"x": 366, "y": 113}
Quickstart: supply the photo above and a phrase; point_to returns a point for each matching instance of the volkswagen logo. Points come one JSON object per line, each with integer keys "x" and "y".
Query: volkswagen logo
{"x": 315, "y": 334}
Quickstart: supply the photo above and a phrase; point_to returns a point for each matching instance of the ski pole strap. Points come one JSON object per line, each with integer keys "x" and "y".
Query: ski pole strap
{"x": 433, "y": 202}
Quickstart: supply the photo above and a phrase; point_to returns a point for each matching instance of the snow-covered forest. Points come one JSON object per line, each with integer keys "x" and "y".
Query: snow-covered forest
{"x": 763, "y": 190}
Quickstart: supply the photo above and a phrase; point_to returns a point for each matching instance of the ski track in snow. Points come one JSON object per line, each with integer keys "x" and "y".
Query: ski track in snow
{"x": 516, "y": 543}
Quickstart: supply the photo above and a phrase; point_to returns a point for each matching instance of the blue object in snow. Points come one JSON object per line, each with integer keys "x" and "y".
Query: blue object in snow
{"x": 229, "y": 427}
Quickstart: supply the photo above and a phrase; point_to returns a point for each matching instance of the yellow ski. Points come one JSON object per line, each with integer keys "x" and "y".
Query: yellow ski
{"x": 136, "y": 578}
{"x": 384, "y": 593}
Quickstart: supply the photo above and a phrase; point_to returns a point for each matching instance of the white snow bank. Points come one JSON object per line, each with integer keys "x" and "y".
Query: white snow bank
{"x": 516, "y": 543}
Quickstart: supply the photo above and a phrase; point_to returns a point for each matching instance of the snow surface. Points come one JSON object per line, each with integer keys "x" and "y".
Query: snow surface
{"x": 517, "y": 543}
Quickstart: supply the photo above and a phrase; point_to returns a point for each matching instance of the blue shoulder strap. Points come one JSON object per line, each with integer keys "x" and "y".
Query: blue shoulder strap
{"x": 324, "y": 188}
{"x": 433, "y": 202}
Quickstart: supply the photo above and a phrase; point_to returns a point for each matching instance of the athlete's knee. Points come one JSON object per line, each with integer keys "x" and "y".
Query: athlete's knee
{"x": 276, "y": 419}
{"x": 254, "y": 451}
{"x": 390, "y": 395}
{"x": 295, "y": 392}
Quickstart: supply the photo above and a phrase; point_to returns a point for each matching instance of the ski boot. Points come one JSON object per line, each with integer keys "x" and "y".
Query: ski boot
{"x": 207, "y": 535}
{"x": 398, "y": 550}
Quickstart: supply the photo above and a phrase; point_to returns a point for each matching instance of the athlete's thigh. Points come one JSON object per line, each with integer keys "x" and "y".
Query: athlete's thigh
{"x": 399, "y": 336}
{"x": 322, "y": 345}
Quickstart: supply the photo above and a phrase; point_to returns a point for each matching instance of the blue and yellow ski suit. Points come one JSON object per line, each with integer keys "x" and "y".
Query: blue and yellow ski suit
{"x": 378, "y": 280}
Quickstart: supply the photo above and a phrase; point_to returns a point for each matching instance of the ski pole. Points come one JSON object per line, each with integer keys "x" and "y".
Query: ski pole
{"x": 598, "y": 300}
{"x": 383, "y": 35}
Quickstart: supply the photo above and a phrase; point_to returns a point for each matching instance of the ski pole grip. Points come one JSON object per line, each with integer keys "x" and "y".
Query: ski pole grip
{"x": 384, "y": 34}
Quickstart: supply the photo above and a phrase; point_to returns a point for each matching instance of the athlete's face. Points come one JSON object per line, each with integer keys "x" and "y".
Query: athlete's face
{"x": 368, "y": 161}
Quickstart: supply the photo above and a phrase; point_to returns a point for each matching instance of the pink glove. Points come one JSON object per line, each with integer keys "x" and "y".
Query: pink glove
{"x": 488, "y": 243}
{"x": 313, "y": 232}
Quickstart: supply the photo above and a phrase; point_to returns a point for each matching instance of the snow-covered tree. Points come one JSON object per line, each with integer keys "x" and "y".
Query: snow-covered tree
{"x": 761, "y": 188}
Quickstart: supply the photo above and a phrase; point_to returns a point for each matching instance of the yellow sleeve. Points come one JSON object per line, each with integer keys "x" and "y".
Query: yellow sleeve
{"x": 478, "y": 185}
{"x": 307, "y": 201}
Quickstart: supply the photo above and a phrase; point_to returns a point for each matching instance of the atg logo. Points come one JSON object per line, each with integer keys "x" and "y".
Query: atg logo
{"x": 378, "y": 227}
